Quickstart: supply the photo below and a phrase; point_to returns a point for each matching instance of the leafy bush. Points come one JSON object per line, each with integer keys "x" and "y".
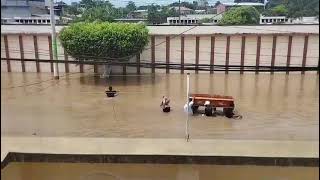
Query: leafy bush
{"x": 87, "y": 41}
{"x": 240, "y": 16}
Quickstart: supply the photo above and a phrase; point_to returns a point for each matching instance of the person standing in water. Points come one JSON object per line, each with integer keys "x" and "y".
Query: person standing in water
{"x": 165, "y": 104}
{"x": 111, "y": 93}
{"x": 188, "y": 107}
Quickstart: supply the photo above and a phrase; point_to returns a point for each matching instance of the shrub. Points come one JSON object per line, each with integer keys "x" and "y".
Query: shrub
{"x": 93, "y": 41}
{"x": 240, "y": 16}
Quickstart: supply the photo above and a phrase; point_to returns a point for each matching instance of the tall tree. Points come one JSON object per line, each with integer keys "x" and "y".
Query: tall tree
{"x": 131, "y": 6}
{"x": 241, "y": 16}
{"x": 217, "y": 4}
{"x": 300, "y": 8}
{"x": 280, "y": 10}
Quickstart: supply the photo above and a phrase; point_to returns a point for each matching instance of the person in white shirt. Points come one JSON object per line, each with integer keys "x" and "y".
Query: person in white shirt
{"x": 189, "y": 106}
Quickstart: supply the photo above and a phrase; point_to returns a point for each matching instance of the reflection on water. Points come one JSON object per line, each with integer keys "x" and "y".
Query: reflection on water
{"x": 278, "y": 106}
{"x": 56, "y": 171}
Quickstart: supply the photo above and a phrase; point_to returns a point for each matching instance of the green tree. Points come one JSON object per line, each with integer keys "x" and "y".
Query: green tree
{"x": 72, "y": 10}
{"x": 94, "y": 41}
{"x": 184, "y": 4}
{"x": 240, "y": 16}
{"x": 279, "y": 10}
{"x": 131, "y": 6}
{"x": 87, "y": 4}
{"x": 104, "y": 14}
{"x": 300, "y": 8}
{"x": 217, "y": 4}
{"x": 154, "y": 16}
{"x": 206, "y": 20}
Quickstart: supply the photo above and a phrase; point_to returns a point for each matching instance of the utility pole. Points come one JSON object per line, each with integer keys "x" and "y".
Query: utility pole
{"x": 188, "y": 93}
{"x": 54, "y": 41}
{"x": 179, "y": 11}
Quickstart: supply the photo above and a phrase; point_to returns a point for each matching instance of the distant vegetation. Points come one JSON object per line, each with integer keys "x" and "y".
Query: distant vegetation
{"x": 293, "y": 8}
{"x": 240, "y": 16}
{"x": 102, "y": 10}
{"x": 93, "y": 41}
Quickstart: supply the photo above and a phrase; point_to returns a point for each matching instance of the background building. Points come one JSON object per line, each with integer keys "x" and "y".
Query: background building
{"x": 223, "y": 7}
{"x": 28, "y": 11}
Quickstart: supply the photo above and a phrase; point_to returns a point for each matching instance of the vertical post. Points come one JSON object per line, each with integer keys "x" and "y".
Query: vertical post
{"x": 50, "y": 52}
{"x": 124, "y": 68}
{"x": 138, "y": 63}
{"x": 213, "y": 39}
{"x": 81, "y": 66}
{"x": 23, "y": 67}
{"x": 197, "y": 54}
{"x": 66, "y": 65}
{"x": 152, "y": 54}
{"x": 318, "y": 65}
{"x": 243, "y": 47}
{"x": 188, "y": 93}
{"x": 227, "y": 54}
{"x": 289, "y": 53}
{"x": 273, "y": 56}
{"x": 6, "y": 46}
{"x": 167, "y": 54}
{"x": 182, "y": 54}
{"x": 305, "y": 51}
{"x": 179, "y": 11}
{"x": 36, "y": 52}
{"x": 95, "y": 68}
{"x": 54, "y": 41}
{"x": 258, "y": 54}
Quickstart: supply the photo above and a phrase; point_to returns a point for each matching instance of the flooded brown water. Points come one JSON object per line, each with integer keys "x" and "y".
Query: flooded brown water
{"x": 57, "y": 171}
{"x": 275, "y": 107}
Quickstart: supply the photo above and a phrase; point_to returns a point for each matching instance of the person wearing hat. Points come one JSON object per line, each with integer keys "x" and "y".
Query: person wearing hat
{"x": 208, "y": 108}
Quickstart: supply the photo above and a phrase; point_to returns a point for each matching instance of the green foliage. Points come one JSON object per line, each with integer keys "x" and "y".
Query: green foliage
{"x": 300, "y": 8}
{"x": 185, "y": 4}
{"x": 103, "y": 14}
{"x": 295, "y": 8}
{"x": 72, "y": 10}
{"x": 87, "y": 41}
{"x": 131, "y": 6}
{"x": 280, "y": 10}
{"x": 206, "y": 20}
{"x": 240, "y": 16}
{"x": 87, "y": 4}
{"x": 157, "y": 17}
{"x": 217, "y": 4}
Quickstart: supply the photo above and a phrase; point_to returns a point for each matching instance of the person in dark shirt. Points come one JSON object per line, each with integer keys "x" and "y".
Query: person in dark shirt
{"x": 111, "y": 93}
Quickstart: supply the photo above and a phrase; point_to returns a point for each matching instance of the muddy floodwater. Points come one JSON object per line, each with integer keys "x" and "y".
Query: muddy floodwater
{"x": 56, "y": 171}
{"x": 274, "y": 107}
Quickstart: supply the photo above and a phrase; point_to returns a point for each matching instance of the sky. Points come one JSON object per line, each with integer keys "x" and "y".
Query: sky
{"x": 122, "y": 3}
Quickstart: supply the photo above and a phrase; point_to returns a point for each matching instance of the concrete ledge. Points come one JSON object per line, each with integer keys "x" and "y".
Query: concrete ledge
{"x": 168, "y": 151}
{"x": 159, "y": 159}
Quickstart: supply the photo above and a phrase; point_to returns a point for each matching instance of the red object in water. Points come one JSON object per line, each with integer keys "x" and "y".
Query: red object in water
{"x": 215, "y": 100}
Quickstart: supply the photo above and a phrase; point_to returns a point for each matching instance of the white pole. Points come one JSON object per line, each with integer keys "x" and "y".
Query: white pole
{"x": 188, "y": 93}
{"x": 179, "y": 12}
{"x": 54, "y": 41}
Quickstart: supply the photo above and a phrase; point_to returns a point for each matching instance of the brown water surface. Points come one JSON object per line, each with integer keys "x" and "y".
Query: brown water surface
{"x": 276, "y": 107}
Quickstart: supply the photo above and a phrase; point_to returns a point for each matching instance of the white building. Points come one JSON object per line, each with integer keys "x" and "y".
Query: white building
{"x": 274, "y": 20}
{"x": 194, "y": 19}
{"x": 43, "y": 19}
{"x": 183, "y": 20}
{"x": 285, "y": 20}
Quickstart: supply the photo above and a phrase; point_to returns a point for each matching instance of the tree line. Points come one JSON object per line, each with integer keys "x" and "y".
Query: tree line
{"x": 104, "y": 11}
